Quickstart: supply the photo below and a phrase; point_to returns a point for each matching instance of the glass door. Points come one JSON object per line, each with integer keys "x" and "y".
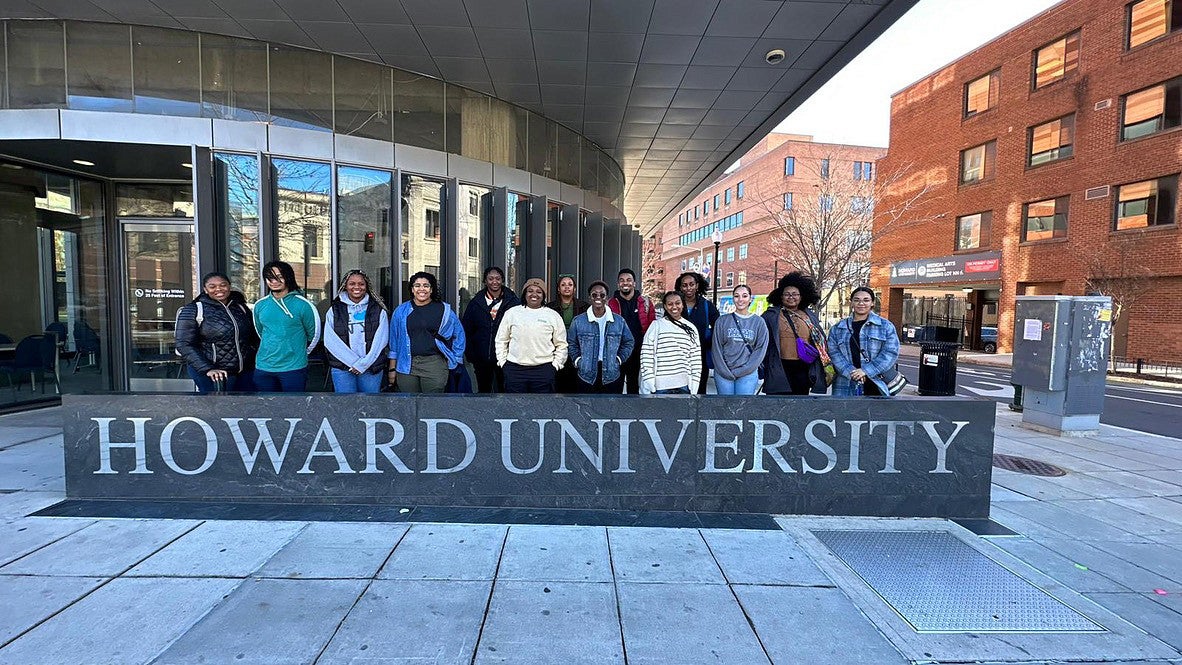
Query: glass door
{"x": 159, "y": 269}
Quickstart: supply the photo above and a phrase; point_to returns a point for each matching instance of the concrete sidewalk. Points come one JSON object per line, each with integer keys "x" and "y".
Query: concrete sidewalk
{"x": 1104, "y": 540}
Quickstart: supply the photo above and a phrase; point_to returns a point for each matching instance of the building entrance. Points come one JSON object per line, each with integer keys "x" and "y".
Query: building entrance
{"x": 159, "y": 276}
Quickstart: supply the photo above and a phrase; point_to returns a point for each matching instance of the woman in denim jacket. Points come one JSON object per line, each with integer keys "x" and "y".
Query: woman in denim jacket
{"x": 862, "y": 347}
{"x": 598, "y": 343}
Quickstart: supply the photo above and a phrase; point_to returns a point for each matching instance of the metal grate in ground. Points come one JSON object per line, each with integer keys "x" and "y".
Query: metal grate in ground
{"x": 940, "y": 584}
{"x": 1030, "y": 467}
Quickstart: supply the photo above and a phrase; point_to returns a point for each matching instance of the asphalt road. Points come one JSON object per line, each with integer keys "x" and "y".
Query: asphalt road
{"x": 1144, "y": 408}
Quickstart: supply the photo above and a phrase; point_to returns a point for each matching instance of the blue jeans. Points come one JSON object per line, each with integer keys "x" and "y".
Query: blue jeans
{"x": 281, "y": 382}
{"x": 344, "y": 381}
{"x": 233, "y": 382}
{"x": 684, "y": 390}
{"x": 744, "y": 385}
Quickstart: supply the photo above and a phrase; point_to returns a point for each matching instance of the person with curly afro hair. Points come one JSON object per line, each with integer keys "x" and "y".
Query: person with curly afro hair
{"x": 795, "y": 359}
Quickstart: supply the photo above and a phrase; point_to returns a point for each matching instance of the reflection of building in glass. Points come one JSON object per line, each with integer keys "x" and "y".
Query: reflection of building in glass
{"x": 422, "y": 232}
{"x": 304, "y": 239}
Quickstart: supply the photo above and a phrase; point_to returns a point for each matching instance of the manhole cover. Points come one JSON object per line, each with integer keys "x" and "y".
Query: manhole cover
{"x": 1030, "y": 467}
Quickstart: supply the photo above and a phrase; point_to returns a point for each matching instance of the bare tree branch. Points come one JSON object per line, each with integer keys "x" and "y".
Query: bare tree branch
{"x": 826, "y": 231}
{"x": 1115, "y": 270}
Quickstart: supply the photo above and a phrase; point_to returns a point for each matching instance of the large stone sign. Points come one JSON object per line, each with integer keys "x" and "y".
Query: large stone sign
{"x": 826, "y": 456}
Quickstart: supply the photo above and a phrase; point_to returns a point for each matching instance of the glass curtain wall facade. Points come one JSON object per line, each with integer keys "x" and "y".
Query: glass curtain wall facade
{"x": 53, "y": 307}
{"x": 161, "y": 71}
{"x": 71, "y": 239}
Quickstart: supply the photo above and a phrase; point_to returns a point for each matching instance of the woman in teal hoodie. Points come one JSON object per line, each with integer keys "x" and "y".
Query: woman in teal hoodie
{"x": 288, "y": 327}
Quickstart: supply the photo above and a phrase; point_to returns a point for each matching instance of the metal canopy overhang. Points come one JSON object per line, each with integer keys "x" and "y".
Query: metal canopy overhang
{"x": 675, "y": 90}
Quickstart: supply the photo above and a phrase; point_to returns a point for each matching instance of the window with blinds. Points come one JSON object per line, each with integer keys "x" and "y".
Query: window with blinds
{"x": 1056, "y": 60}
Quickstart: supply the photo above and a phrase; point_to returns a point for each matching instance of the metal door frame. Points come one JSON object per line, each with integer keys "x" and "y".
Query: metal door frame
{"x": 158, "y": 224}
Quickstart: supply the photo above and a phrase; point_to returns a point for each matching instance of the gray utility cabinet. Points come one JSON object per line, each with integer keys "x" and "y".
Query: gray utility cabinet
{"x": 1061, "y": 360}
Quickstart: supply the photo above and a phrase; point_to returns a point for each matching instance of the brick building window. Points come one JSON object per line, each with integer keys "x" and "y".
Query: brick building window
{"x": 697, "y": 213}
{"x": 863, "y": 170}
{"x": 743, "y": 251}
{"x": 981, "y": 94}
{"x": 1043, "y": 220}
{"x": 977, "y": 163}
{"x": 706, "y": 207}
{"x": 972, "y": 231}
{"x": 789, "y": 166}
{"x": 716, "y": 202}
{"x": 1055, "y": 60}
{"x": 1146, "y": 203}
{"x": 787, "y": 200}
{"x": 825, "y": 168}
{"x": 1050, "y": 141}
{"x": 1151, "y": 110}
{"x": 740, "y": 190}
{"x": 730, "y": 254}
{"x": 730, "y": 279}
{"x": 826, "y": 203}
{"x": 1150, "y": 19}
{"x": 726, "y": 196}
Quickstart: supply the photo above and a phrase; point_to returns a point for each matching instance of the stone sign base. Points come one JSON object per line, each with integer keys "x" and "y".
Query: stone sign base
{"x": 825, "y": 456}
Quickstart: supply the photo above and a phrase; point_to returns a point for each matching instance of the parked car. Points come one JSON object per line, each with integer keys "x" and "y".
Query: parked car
{"x": 989, "y": 339}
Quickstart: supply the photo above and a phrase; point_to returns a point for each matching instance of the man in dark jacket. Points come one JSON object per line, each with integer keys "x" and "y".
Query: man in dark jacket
{"x": 481, "y": 319}
{"x": 638, "y": 312}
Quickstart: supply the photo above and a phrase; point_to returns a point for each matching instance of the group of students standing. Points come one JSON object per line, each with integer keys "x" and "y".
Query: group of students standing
{"x": 534, "y": 344}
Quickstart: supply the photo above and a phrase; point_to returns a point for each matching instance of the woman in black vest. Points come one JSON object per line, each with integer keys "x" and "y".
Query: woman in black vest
{"x": 215, "y": 337}
{"x": 356, "y": 332}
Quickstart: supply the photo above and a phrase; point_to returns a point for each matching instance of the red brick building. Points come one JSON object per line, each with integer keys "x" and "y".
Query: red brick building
{"x": 1051, "y": 156}
{"x": 781, "y": 171}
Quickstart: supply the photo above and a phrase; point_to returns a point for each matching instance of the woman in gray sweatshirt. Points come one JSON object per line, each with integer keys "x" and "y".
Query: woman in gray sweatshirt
{"x": 740, "y": 342}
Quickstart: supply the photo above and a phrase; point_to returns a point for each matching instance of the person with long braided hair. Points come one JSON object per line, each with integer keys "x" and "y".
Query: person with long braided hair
{"x": 356, "y": 333}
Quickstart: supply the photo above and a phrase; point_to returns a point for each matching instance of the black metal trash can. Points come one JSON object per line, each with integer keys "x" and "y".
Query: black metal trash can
{"x": 937, "y": 368}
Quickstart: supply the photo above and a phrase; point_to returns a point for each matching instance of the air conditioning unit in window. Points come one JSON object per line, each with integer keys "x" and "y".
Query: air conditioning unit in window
{"x": 1097, "y": 193}
{"x": 1102, "y": 104}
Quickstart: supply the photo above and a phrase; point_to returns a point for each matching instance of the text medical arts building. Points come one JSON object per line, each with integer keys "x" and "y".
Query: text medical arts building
{"x": 1051, "y": 158}
{"x": 144, "y": 144}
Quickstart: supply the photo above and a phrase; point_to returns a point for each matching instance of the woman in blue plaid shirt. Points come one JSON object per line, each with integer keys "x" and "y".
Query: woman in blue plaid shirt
{"x": 862, "y": 347}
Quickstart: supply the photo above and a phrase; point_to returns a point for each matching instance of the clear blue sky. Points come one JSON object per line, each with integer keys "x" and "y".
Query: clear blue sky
{"x": 854, "y": 107}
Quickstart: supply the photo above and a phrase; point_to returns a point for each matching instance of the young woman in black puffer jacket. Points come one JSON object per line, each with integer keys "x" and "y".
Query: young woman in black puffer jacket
{"x": 215, "y": 337}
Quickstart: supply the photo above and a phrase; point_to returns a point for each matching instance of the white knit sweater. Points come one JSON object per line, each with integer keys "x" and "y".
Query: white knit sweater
{"x": 670, "y": 357}
{"x": 531, "y": 337}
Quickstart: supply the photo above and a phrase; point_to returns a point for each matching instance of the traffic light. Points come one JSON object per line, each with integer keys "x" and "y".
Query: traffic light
{"x": 369, "y": 242}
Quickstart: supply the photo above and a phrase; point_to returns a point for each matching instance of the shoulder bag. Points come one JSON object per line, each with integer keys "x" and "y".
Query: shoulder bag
{"x": 805, "y": 351}
{"x": 893, "y": 378}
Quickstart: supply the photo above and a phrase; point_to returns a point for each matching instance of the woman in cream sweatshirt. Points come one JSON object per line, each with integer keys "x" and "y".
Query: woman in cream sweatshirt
{"x": 670, "y": 357}
{"x": 531, "y": 342}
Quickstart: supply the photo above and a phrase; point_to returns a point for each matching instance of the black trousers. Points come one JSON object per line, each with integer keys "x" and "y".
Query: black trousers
{"x": 523, "y": 379}
{"x": 567, "y": 379}
{"x": 601, "y": 388}
{"x": 798, "y": 376}
{"x": 489, "y": 378}
{"x": 630, "y": 371}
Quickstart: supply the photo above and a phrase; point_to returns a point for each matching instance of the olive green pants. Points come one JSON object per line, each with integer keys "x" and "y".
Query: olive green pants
{"x": 428, "y": 374}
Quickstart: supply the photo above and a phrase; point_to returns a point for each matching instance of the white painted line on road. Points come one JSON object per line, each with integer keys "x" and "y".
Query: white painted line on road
{"x": 1147, "y": 401}
{"x": 1007, "y": 393}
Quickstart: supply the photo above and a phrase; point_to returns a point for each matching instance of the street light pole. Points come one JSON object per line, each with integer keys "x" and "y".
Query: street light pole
{"x": 717, "y": 238}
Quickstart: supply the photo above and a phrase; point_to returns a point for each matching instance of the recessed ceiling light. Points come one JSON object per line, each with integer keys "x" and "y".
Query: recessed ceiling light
{"x": 775, "y": 56}
{"x": 83, "y": 162}
{"x": 186, "y": 165}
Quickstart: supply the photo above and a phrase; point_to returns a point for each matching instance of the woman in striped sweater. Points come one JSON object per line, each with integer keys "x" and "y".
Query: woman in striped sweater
{"x": 670, "y": 357}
